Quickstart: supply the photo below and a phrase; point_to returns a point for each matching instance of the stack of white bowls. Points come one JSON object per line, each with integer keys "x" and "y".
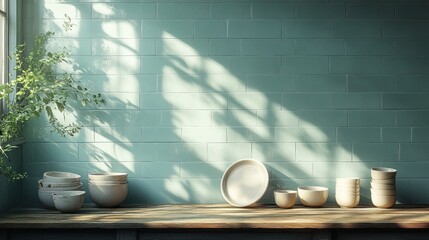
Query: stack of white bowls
{"x": 57, "y": 183}
{"x": 383, "y": 187}
{"x": 108, "y": 189}
{"x": 347, "y": 192}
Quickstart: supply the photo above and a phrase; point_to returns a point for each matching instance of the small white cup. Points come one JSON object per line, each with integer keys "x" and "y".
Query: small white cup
{"x": 285, "y": 198}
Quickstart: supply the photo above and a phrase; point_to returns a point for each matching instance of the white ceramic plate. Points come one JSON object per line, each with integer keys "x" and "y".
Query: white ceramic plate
{"x": 244, "y": 182}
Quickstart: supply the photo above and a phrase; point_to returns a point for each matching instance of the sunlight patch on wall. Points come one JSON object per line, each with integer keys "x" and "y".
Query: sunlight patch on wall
{"x": 119, "y": 83}
{"x": 116, "y": 46}
{"x": 176, "y": 47}
{"x": 73, "y": 46}
{"x": 60, "y": 10}
{"x": 119, "y": 29}
{"x": 103, "y": 9}
{"x": 185, "y": 70}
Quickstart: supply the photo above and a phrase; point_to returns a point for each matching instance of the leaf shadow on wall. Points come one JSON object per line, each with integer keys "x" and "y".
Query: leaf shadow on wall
{"x": 205, "y": 112}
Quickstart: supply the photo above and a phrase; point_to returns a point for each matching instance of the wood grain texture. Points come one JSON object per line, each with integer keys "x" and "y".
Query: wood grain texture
{"x": 219, "y": 217}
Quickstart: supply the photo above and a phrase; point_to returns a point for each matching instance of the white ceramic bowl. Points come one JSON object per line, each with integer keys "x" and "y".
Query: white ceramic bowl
{"x": 384, "y": 181}
{"x": 58, "y": 185}
{"x": 383, "y": 192}
{"x": 383, "y": 201}
{"x": 348, "y": 181}
{"x": 313, "y": 196}
{"x": 46, "y": 199}
{"x": 78, "y": 188}
{"x": 383, "y": 173}
{"x": 69, "y": 201}
{"x": 347, "y": 200}
{"x": 353, "y": 188}
{"x": 105, "y": 176}
{"x": 108, "y": 182}
{"x": 108, "y": 195}
{"x": 285, "y": 198}
{"x": 62, "y": 177}
{"x": 347, "y": 192}
{"x": 380, "y": 186}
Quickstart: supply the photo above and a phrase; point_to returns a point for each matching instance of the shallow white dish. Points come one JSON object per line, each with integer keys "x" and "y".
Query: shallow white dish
{"x": 244, "y": 182}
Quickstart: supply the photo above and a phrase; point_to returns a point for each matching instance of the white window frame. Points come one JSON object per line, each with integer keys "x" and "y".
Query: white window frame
{"x": 5, "y": 43}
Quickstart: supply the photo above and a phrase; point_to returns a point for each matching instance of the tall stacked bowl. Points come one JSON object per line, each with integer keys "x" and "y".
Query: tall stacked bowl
{"x": 108, "y": 189}
{"x": 57, "y": 183}
{"x": 383, "y": 187}
{"x": 347, "y": 192}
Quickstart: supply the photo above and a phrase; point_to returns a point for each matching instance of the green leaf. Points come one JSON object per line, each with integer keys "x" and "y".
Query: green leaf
{"x": 39, "y": 86}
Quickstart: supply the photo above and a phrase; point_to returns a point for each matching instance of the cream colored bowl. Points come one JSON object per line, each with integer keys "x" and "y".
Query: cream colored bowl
{"x": 383, "y": 201}
{"x": 106, "y": 176}
{"x": 59, "y": 186}
{"x": 391, "y": 181}
{"x": 46, "y": 199}
{"x": 380, "y": 186}
{"x": 69, "y": 201}
{"x": 347, "y": 192}
{"x": 285, "y": 198}
{"x": 313, "y": 196}
{"x": 107, "y": 182}
{"x": 78, "y": 188}
{"x": 383, "y": 192}
{"x": 347, "y": 186}
{"x": 383, "y": 173}
{"x": 347, "y": 181}
{"x": 347, "y": 200}
{"x": 61, "y": 177}
{"x": 108, "y": 195}
{"x": 348, "y": 189}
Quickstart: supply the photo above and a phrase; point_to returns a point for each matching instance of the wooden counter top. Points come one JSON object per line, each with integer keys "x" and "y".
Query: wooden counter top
{"x": 219, "y": 217}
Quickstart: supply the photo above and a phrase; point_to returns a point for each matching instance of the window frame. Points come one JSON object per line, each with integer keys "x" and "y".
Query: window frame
{"x": 5, "y": 45}
{"x": 4, "y": 78}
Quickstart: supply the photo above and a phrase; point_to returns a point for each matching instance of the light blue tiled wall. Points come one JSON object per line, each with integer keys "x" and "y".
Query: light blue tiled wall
{"x": 315, "y": 89}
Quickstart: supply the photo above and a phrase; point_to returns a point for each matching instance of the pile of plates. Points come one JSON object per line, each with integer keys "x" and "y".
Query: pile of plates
{"x": 57, "y": 183}
{"x": 383, "y": 187}
{"x": 108, "y": 189}
{"x": 347, "y": 192}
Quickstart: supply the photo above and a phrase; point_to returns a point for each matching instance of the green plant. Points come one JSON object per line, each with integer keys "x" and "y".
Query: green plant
{"x": 40, "y": 87}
